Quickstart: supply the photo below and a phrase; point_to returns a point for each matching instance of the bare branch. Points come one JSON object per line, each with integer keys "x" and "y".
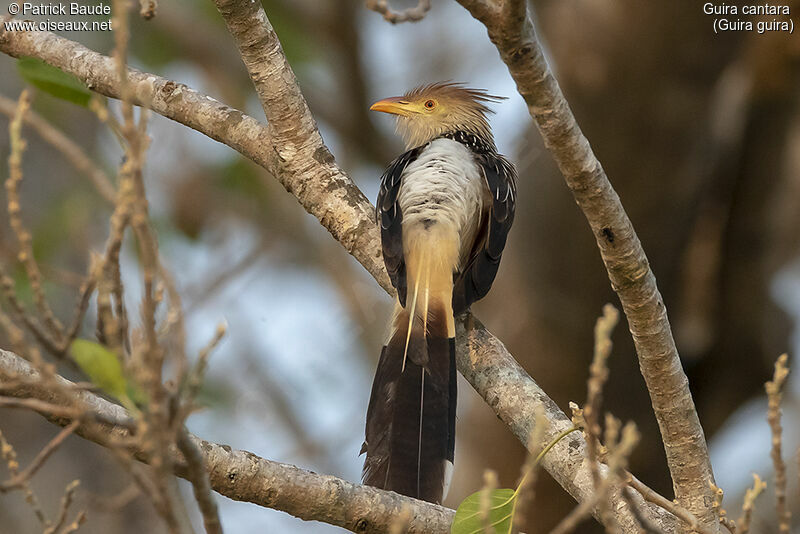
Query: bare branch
{"x": 195, "y": 377}
{"x": 529, "y": 471}
{"x": 34, "y": 326}
{"x": 148, "y": 9}
{"x": 84, "y": 294}
{"x": 20, "y": 478}
{"x": 598, "y": 375}
{"x": 412, "y": 14}
{"x": 60, "y": 526}
{"x": 618, "y": 457}
{"x": 243, "y": 476}
{"x": 512, "y": 31}
{"x": 724, "y": 520}
{"x": 71, "y": 151}
{"x": 750, "y": 497}
{"x": 775, "y": 393}
{"x": 300, "y": 160}
{"x": 9, "y": 455}
{"x": 649, "y": 528}
{"x": 516, "y": 398}
{"x": 24, "y": 240}
{"x": 678, "y": 511}
{"x": 485, "y": 502}
{"x": 196, "y": 474}
{"x": 323, "y": 190}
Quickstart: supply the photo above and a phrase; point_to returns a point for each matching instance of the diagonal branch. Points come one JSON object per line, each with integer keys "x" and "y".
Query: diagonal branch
{"x": 307, "y": 171}
{"x": 513, "y": 33}
{"x": 411, "y": 14}
{"x": 68, "y": 148}
{"x": 241, "y": 475}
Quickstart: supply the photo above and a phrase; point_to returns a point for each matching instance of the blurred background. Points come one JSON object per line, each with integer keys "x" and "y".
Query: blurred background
{"x": 699, "y": 133}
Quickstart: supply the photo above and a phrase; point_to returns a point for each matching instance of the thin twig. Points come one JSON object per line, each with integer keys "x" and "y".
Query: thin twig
{"x": 14, "y": 334}
{"x": 647, "y": 526}
{"x": 724, "y": 520}
{"x": 527, "y": 483}
{"x": 9, "y": 455}
{"x": 750, "y": 496}
{"x": 84, "y": 295}
{"x": 774, "y": 394}
{"x": 148, "y": 9}
{"x": 66, "y": 502}
{"x": 174, "y": 324}
{"x": 157, "y": 434}
{"x": 197, "y": 475}
{"x": 24, "y": 239}
{"x": 195, "y": 377}
{"x": 412, "y": 14}
{"x": 71, "y": 151}
{"x": 36, "y": 405}
{"x": 115, "y": 503}
{"x": 678, "y": 511}
{"x": 23, "y": 476}
{"x": 75, "y": 525}
{"x": 32, "y": 323}
{"x": 598, "y": 375}
{"x": 485, "y": 501}
{"x": 617, "y": 459}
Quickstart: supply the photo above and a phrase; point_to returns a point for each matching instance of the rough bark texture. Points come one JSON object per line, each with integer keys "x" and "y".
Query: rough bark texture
{"x": 512, "y": 31}
{"x": 296, "y": 157}
{"x": 243, "y": 476}
{"x": 306, "y": 167}
{"x": 515, "y": 397}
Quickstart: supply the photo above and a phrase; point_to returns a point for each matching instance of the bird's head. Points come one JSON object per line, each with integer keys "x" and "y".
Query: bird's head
{"x": 431, "y": 110}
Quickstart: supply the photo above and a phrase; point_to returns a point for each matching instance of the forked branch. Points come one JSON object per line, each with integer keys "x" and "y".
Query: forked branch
{"x": 512, "y": 31}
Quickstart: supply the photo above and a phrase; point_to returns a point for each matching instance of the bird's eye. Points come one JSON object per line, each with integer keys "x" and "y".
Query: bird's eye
{"x": 430, "y": 104}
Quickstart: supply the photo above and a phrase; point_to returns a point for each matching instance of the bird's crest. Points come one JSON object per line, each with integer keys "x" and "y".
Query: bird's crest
{"x": 432, "y": 110}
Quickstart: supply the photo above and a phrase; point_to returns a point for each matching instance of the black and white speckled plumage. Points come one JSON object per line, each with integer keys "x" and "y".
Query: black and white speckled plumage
{"x": 476, "y": 275}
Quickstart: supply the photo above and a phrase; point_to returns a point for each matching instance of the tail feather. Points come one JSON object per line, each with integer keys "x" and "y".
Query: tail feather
{"x": 411, "y": 417}
{"x": 412, "y": 312}
{"x": 410, "y": 431}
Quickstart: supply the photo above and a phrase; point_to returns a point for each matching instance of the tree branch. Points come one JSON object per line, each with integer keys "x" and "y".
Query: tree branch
{"x": 412, "y": 14}
{"x": 241, "y": 475}
{"x": 513, "y": 33}
{"x": 515, "y": 397}
{"x": 307, "y": 170}
{"x": 71, "y": 151}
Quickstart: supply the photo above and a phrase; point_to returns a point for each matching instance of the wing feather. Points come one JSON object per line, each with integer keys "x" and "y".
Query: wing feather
{"x": 390, "y": 217}
{"x": 476, "y": 279}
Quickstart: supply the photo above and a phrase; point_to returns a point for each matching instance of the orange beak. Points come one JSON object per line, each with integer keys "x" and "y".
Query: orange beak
{"x": 394, "y": 105}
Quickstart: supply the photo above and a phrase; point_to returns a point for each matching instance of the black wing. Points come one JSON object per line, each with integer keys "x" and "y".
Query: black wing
{"x": 391, "y": 221}
{"x": 476, "y": 279}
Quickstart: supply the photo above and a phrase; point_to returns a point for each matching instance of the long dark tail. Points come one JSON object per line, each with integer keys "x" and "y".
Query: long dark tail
{"x": 410, "y": 434}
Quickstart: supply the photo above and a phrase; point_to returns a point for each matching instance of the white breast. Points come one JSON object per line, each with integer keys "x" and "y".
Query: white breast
{"x": 443, "y": 187}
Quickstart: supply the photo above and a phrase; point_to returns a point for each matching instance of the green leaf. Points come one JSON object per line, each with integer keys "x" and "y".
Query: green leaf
{"x": 101, "y": 366}
{"x": 469, "y": 519}
{"x": 502, "y": 503}
{"x": 54, "y": 81}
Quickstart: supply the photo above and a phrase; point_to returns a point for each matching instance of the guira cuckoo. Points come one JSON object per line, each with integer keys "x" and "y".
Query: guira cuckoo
{"x": 445, "y": 207}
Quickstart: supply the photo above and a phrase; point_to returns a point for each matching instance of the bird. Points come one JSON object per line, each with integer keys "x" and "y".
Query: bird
{"x": 445, "y": 208}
